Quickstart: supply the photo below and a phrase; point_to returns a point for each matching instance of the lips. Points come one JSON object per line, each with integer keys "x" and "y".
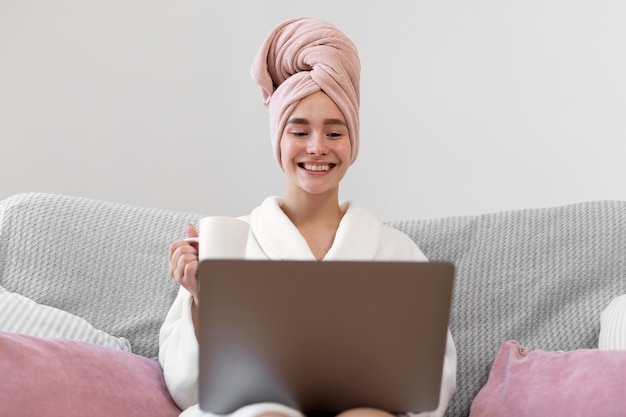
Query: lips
{"x": 316, "y": 167}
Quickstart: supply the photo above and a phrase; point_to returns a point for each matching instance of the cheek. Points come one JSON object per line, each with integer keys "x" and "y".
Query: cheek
{"x": 345, "y": 150}
{"x": 286, "y": 151}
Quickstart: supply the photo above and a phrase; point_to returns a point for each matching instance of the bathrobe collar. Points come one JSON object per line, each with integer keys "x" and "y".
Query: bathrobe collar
{"x": 357, "y": 237}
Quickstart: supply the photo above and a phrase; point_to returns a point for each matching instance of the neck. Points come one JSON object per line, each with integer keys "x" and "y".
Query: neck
{"x": 305, "y": 208}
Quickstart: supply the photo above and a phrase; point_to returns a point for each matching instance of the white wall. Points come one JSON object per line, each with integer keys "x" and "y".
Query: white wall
{"x": 467, "y": 106}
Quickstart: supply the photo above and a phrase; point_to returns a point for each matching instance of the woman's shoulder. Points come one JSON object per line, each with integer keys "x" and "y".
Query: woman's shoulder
{"x": 394, "y": 244}
{"x": 397, "y": 245}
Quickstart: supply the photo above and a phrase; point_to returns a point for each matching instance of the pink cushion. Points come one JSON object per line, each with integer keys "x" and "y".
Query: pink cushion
{"x": 585, "y": 382}
{"x": 61, "y": 377}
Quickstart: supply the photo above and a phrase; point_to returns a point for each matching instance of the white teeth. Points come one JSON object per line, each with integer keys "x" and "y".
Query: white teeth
{"x": 311, "y": 167}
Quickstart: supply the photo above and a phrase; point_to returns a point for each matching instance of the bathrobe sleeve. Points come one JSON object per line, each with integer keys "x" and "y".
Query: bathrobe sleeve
{"x": 178, "y": 351}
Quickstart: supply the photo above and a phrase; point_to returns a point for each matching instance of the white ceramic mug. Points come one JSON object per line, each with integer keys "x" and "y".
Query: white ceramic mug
{"x": 221, "y": 238}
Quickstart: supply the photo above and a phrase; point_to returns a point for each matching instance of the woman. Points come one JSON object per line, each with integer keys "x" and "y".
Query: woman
{"x": 309, "y": 73}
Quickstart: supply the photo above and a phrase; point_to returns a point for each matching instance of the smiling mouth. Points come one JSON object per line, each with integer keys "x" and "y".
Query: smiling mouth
{"x": 316, "y": 167}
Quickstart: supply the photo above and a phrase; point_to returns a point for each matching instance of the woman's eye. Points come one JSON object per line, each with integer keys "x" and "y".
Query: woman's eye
{"x": 298, "y": 134}
{"x": 335, "y": 135}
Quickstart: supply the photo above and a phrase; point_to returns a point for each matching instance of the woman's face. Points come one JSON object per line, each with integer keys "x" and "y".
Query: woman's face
{"x": 315, "y": 146}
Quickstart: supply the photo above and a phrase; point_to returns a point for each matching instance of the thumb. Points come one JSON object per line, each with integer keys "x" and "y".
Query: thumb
{"x": 191, "y": 231}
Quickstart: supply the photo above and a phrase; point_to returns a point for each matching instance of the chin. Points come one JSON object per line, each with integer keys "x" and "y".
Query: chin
{"x": 320, "y": 190}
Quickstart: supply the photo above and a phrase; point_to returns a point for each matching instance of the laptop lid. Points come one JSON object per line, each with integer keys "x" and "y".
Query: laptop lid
{"x": 323, "y": 336}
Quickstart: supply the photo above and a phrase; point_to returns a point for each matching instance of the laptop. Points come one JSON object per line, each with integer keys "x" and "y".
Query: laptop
{"x": 323, "y": 337}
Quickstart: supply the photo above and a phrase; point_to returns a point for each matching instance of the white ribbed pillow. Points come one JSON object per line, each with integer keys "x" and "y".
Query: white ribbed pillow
{"x": 613, "y": 325}
{"x": 20, "y": 314}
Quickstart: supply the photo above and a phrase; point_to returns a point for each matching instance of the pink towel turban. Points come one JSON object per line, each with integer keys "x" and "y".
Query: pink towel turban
{"x": 300, "y": 57}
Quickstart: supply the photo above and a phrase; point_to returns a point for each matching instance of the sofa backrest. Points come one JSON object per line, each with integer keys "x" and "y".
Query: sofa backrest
{"x": 539, "y": 276}
{"x": 102, "y": 261}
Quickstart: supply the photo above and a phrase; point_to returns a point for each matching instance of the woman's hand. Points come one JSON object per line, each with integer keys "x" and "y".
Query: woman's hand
{"x": 183, "y": 260}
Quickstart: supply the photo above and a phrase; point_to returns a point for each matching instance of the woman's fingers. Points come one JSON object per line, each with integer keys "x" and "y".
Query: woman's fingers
{"x": 191, "y": 231}
{"x": 183, "y": 262}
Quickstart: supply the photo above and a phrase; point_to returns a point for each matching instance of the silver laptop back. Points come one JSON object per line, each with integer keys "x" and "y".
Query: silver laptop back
{"x": 323, "y": 336}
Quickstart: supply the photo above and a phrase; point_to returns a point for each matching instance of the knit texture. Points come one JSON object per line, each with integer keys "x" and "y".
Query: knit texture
{"x": 538, "y": 276}
{"x": 102, "y": 261}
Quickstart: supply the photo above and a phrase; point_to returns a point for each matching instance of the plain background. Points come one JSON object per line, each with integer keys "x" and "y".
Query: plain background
{"x": 467, "y": 106}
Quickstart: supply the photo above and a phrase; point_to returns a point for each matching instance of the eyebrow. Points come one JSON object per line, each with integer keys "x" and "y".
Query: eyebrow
{"x": 302, "y": 121}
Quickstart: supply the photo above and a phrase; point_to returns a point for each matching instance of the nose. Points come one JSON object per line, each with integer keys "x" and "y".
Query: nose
{"x": 317, "y": 144}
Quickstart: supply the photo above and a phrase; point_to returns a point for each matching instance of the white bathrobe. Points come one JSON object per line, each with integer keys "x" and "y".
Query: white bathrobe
{"x": 272, "y": 235}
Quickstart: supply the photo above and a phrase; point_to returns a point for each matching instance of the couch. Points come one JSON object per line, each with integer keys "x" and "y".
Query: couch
{"x": 537, "y": 276}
